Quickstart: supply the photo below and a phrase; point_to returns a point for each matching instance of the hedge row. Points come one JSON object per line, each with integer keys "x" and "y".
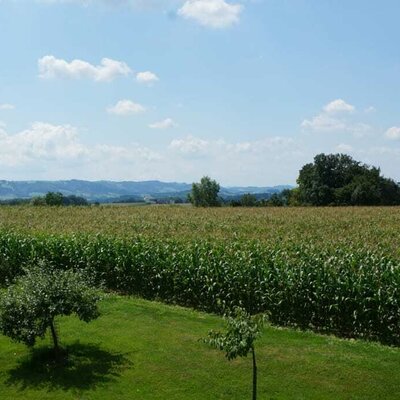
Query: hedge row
{"x": 345, "y": 292}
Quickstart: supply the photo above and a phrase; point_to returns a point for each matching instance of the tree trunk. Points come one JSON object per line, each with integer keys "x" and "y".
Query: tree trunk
{"x": 254, "y": 374}
{"x": 55, "y": 338}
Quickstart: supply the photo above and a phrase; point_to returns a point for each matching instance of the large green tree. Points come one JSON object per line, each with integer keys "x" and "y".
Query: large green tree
{"x": 54, "y": 199}
{"x": 337, "y": 179}
{"x": 205, "y": 193}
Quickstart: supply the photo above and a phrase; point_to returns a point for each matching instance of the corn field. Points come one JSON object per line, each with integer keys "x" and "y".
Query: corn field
{"x": 331, "y": 270}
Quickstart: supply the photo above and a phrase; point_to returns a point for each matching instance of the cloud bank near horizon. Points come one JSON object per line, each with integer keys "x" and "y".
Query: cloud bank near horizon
{"x": 51, "y": 151}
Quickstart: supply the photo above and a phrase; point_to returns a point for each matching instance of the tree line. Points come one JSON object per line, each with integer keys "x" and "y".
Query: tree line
{"x": 331, "y": 180}
{"x": 58, "y": 199}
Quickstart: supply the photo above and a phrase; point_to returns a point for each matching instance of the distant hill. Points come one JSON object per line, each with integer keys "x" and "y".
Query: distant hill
{"x": 104, "y": 191}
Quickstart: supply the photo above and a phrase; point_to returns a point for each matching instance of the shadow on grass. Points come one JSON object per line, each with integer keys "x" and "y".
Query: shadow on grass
{"x": 86, "y": 366}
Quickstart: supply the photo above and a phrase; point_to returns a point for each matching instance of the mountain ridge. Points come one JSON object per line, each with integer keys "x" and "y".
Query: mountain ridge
{"x": 103, "y": 190}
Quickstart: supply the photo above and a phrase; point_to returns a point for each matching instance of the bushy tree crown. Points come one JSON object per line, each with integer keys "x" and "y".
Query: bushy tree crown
{"x": 28, "y": 307}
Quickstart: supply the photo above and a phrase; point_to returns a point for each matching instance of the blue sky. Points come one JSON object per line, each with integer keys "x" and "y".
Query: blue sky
{"x": 246, "y": 91}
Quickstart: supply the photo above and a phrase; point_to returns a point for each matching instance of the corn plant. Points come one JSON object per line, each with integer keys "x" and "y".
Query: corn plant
{"x": 330, "y": 270}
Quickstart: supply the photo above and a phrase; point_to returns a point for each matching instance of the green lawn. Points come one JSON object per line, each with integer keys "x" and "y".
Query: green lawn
{"x": 145, "y": 350}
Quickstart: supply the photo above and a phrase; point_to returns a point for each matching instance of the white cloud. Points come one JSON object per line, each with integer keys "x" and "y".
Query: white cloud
{"x": 164, "y": 124}
{"x": 40, "y": 141}
{"x": 338, "y": 106}
{"x": 246, "y": 162}
{"x": 344, "y": 148}
{"x": 370, "y": 109}
{"x": 393, "y": 133}
{"x": 189, "y": 145}
{"x": 277, "y": 143}
{"x": 46, "y": 144}
{"x": 382, "y": 151}
{"x": 48, "y": 151}
{"x": 211, "y": 13}
{"x": 360, "y": 129}
{"x": 51, "y": 67}
{"x": 126, "y": 107}
{"x": 7, "y": 106}
{"x": 146, "y": 77}
{"x": 194, "y": 145}
{"x": 323, "y": 122}
{"x": 121, "y": 153}
{"x": 335, "y": 117}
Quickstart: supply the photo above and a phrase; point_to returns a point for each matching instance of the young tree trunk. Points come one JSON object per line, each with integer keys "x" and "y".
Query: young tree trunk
{"x": 254, "y": 374}
{"x": 55, "y": 338}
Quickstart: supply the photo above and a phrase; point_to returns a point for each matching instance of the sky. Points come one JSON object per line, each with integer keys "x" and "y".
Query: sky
{"x": 245, "y": 91}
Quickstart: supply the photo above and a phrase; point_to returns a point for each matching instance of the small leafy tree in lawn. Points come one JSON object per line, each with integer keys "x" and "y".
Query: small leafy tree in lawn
{"x": 29, "y": 307}
{"x": 238, "y": 341}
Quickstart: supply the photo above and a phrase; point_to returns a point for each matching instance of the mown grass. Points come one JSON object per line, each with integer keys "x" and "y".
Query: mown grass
{"x": 143, "y": 350}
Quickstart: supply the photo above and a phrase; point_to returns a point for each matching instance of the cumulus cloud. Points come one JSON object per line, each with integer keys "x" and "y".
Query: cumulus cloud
{"x": 48, "y": 151}
{"x": 123, "y": 153}
{"x": 211, "y": 13}
{"x": 126, "y": 107}
{"x": 193, "y": 145}
{"x": 146, "y": 77}
{"x": 247, "y": 162}
{"x": 338, "y": 106}
{"x": 276, "y": 143}
{"x": 7, "y": 106}
{"x": 335, "y": 117}
{"x": 323, "y": 122}
{"x": 344, "y": 148}
{"x": 360, "y": 129}
{"x": 45, "y": 148}
{"x": 40, "y": 141}
{"x": 164, "y": 124}
{"x": 51, "y": 67}
{"x": 393, "y": 133}
{"x": 189, "y": 145}
{"x": 370, "y": 109}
